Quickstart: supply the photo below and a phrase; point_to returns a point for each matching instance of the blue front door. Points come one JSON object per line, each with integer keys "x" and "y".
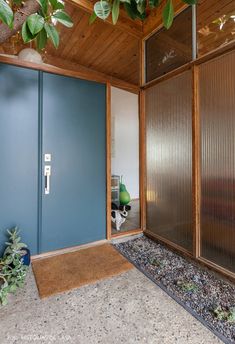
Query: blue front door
{"x": 64, "y": 117}
{"x": 74, "y": 195}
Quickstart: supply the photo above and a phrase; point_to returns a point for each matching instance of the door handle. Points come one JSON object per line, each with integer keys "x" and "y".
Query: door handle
{"x": 47, "y": 174}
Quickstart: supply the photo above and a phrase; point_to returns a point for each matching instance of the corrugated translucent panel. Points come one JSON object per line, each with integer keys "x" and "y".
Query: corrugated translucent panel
{"x": 169, "y": 160}
{"x": 217, "y": 107}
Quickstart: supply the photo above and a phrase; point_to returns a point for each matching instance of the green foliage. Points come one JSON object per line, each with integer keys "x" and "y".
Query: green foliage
{"x": 92, "y": 18}
{"x": 168, "y": 14}
{"x": 35, "y": 23}
{"x": 155, "y": 262}
{"x": 115, "y": 11}
{"x": 41, "y": 26}
{"x": 224, "y": 314}
{"x": 102, "y": 9}
{"x": 136, "y": 9}
{"x": 6, "y": 13}
{"x": 187, "y": 287}
{"x": 62, "y": 17}
{"x": 12, "y": 270}
{"x": 52, "y": 33}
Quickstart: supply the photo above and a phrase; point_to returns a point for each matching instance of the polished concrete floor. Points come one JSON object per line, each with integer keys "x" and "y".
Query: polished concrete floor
{"x": 128, "y": 309}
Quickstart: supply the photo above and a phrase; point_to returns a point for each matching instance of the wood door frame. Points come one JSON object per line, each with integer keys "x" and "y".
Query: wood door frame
{"x": 108, "y": 165}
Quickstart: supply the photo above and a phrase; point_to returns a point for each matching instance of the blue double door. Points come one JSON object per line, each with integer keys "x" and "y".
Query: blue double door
{"x": 53, "y": 159}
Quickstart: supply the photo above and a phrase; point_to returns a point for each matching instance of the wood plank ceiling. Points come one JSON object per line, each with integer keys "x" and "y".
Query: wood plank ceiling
{"x": 100, "y": 46}
{"x": 115, "y": 50}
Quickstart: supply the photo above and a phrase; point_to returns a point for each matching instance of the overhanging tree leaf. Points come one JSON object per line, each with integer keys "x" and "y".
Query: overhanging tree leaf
{"x": 63, "y": 18}
{"x": 92, "y": 18}
{"x": 154, "y": 3}
{"x": 26, "y": 34}
{"x": 41, "y": 39}
{"x": 190, "y": 2}
{"x": 56, "y": 5}
{"x": 35, "y": 23}
{"x": 6, "y": 13}
{"x": 44, "y": 6}
{"x": 52, "y": 33}
{"x": 115, "y": 11}
{"x": 102, "y": 9}
{"x": 168, "y": 14}
{"x": 141, "y": 6}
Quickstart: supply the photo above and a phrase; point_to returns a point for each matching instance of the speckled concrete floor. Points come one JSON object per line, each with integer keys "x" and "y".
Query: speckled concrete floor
{"x": 128, "y": 309}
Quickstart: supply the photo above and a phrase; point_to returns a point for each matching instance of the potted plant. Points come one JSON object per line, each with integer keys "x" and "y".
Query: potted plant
{"x": 12, "y": 265}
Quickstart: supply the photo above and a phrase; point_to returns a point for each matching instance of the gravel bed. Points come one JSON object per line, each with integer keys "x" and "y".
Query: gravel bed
{"x": 210, "y": 298}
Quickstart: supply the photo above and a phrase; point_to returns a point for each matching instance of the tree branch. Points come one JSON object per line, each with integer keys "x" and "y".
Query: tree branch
{"x": 30, "y": 7}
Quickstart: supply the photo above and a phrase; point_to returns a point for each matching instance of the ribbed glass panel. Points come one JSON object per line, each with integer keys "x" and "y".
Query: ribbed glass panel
{"x": 169, "y": 160}
{"x": 217, "y": 107}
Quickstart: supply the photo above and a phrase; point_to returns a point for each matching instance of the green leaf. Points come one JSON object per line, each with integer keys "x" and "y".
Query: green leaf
{"x": 190, "y": 2}
{"x": 168, "y": 14}
{"x": 44, "y": 5}
{"x": 141, "y": 6}
{"x": 35, "y": 23}
{"x": 154, "y": 3}
{"x": 52, "y": 33}
{"x": 26, "y": 35}
{"x": 62, "y": 17}
{"x": 102, "y": 9}
{"x": 56, "y": 5}
{"x": 92, "y": 18}
{"x": 6, "y": 14}
{"x": 41, "y": 39}
{"x": 115, "y": 11}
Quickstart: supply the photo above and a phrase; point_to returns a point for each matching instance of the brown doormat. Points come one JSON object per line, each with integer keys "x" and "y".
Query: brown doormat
{"x": 67, "y": 271}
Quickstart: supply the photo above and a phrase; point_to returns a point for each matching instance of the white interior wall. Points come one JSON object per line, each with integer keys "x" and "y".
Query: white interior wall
{"x": 125, "y": 138}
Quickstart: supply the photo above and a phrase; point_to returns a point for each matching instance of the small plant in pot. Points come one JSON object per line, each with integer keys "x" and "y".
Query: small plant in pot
{"x": 12, "y": 265}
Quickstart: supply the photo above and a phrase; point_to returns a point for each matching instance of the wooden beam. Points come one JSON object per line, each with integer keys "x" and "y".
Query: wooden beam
{"x": 126, "y": 24}
{"x": 108, "y": 162}
{"x": 196, "y": 185}
{"x": 142, "y": 119}
{"x": 58, "y": 66}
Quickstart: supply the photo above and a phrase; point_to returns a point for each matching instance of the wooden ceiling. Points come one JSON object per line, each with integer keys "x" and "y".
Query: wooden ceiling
{"x": 114, "y": 51}
{"x": 100, "y": 46}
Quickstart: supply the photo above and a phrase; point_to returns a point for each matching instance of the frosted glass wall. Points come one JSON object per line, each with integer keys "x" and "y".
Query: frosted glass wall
{"x": 217, "y": 108}
{"x": 169, "y": 159}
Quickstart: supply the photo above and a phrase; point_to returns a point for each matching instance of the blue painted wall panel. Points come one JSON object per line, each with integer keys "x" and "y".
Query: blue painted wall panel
{"x": 18, "y": 152}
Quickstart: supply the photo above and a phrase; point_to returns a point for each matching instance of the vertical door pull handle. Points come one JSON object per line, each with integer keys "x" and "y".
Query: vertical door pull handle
{"x": 47, "y": 174}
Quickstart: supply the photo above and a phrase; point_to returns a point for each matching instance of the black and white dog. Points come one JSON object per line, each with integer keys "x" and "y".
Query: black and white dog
{"x": 119, "y": 214}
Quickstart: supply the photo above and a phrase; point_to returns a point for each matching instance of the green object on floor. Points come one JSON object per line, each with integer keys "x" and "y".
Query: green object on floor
{"x": 124, "y": 194}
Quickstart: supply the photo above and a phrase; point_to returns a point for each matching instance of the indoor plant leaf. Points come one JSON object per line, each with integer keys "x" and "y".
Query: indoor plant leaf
{"x": 63, "y": 18}
{"x": 35, "y": 23}
{"x": 102, "y": 9}
{"x": 154, "y": 3}
{"x": 92, "y": 18}
{"x": 168, "y": 14}
{"x": 41, "y": 39}
{"x": 190, "y": 2}
{"x": 6, "y": 14}
{"x": 56, "y": 5}
{"x": 44, "y": 5}
{"x": 26, "y": 34}
{"x": 52, "y": 33}
{"x": 115, "y": 11}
